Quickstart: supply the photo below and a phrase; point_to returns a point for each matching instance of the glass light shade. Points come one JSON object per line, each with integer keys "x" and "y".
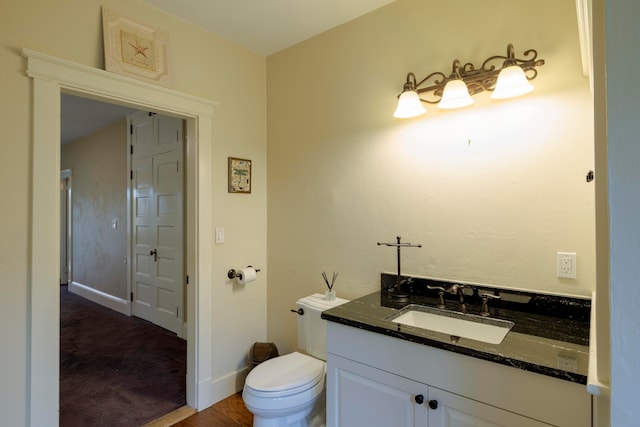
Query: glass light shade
{"x": 455, "y": 95}
{"x": 511, "y": 82}
{"x": 409, "y": 105}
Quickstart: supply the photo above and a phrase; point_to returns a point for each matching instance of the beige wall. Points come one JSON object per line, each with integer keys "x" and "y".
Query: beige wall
{"x": 492, "y": 192}
{"x": 202, "y": 64}
{"x": 99, "y": 195}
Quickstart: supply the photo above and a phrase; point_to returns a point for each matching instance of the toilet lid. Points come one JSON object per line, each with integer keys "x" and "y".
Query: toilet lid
{"x": 285, "y": 372}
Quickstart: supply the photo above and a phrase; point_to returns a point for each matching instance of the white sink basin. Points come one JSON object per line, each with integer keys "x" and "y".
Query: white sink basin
{"x": 456, "y": 324}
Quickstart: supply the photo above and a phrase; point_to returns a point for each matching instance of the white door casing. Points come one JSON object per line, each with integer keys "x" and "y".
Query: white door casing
{"x": 156, "y": 219}
{"x": 52, "y": 76}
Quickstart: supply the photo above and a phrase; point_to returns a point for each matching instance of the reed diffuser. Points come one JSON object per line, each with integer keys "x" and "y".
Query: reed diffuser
{"x": 329, "y": 294}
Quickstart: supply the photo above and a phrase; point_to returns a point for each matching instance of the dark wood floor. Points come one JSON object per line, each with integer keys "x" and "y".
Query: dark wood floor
{"x": 230, "y": 412}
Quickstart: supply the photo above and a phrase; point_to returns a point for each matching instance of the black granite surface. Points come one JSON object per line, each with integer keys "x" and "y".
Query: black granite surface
{"x": 550, "y": 333}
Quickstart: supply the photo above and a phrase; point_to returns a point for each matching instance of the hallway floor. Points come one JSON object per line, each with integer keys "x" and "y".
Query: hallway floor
{"x": 116, "y": 370}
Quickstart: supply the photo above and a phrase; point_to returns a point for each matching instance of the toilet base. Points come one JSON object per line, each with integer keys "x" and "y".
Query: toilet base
{"x": 307, "y": 409}
{"x": 315, "y": 417}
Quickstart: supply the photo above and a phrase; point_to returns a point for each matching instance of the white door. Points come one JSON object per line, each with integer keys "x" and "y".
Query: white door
{"x": 457, "y": 411}
{"x": 157, "y": 228}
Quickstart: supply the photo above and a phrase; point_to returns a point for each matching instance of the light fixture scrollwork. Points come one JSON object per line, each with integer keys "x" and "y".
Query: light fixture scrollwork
{"x": 505, "y": 76}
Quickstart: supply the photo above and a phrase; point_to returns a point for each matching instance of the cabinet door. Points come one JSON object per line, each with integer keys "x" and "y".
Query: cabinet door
{"x": 359, "y": 395}
{"x": 457, "y": 411}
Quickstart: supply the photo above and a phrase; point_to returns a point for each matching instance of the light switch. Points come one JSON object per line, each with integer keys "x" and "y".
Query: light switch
{"x": 219, "y": 235}
{"x": 114, "y": 223}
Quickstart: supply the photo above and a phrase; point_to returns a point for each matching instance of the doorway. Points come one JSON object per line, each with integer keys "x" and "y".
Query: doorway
{"x": 52, "y": 77}
{"x": 95, "y": 140}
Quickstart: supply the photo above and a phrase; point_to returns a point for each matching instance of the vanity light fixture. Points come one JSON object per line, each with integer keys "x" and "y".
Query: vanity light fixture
{"x": 506, "y": 76}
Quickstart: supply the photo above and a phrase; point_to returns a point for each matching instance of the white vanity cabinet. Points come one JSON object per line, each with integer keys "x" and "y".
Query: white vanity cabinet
{"x": 374, "y": 380}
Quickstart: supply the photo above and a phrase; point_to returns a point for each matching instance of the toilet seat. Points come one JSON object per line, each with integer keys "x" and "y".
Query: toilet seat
{"x": 285, "y": 375}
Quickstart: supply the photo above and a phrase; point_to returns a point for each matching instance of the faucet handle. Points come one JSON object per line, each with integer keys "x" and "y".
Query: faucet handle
{"x": 485, "y": 303}
{"x": 441, "y": 291}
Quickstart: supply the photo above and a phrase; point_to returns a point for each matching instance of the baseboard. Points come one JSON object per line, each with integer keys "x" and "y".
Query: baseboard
{"x": 185, "y": 331}
{"x": 212, "y": 391}
{"x": 118, "y": 304}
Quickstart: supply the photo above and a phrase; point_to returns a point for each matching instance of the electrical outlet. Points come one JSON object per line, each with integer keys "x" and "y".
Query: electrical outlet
{"x": 566, "y": 265}
{"x": 567, "y": 363}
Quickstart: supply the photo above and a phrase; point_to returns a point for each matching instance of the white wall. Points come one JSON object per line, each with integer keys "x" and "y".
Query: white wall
{"x": 623, "y": 66}
{"x": 226, "y": 73}
{"x": 492, "y": 192}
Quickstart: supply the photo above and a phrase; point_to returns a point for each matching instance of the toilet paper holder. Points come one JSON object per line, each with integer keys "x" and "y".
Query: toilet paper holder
{"x": 232, "y": 274}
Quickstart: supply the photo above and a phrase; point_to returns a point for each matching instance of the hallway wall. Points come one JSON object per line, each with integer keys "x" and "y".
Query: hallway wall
{"x": 99, "y": 165}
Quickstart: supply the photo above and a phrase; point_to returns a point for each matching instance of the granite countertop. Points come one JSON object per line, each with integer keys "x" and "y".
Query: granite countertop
{"x": 550, "y": 335}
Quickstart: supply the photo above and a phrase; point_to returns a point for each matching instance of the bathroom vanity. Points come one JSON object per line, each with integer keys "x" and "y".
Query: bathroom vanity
{"x": 384, "y": 373}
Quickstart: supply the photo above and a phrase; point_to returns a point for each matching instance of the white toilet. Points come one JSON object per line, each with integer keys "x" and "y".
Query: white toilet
{"x": 288, "y": 391}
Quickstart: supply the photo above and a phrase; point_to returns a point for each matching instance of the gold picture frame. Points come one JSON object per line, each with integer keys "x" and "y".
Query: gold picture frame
{"x": 135, "y": 50}
{"x": 239, "y": 175}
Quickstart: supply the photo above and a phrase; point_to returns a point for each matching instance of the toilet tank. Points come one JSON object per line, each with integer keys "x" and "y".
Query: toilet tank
{"x": 312, "y": 330}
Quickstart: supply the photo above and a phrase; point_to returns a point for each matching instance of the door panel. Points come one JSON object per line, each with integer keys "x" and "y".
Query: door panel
{"x": 169, "y": 130}
{"x": 143, "y": 133}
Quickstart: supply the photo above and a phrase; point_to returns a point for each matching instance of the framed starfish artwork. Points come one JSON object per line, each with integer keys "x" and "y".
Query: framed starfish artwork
{"x": 134, "y": 49}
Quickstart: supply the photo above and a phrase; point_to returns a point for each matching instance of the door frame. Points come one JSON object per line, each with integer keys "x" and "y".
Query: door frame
{"x": 51, "y": 77}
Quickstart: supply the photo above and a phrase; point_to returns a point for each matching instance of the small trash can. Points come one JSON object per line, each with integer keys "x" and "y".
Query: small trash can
{"x": 259, "y": 352}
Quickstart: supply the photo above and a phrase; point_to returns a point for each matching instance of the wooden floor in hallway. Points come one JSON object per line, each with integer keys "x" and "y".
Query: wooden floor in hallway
{"x": 229, "y": 412}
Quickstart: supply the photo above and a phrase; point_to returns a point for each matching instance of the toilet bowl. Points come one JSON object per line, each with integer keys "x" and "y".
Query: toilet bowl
{"x": 287, "y": 400}
{"x": 289, "y": 390}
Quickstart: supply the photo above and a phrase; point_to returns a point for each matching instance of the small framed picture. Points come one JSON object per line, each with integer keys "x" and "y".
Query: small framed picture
{"x": 135, "y": 50}
{"x": 239, "y": 175}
